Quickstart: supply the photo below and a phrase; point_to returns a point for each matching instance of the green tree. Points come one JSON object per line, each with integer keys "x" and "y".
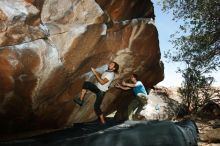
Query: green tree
{"x": 197, "y": 45}
{"x": 196, "y": 88}
{"x": 198, "y": 41}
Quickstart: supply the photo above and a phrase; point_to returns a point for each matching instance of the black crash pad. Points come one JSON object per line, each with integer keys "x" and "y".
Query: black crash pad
{"x": 129, "y": 133}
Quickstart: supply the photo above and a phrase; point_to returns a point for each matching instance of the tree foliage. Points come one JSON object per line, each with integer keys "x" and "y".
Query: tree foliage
{"x": 200, "y": 43}
{"x": 198, "y": 46}
{"x": 196, "y": 89}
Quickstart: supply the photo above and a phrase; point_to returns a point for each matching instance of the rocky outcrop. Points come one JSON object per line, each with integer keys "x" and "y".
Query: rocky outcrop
{"x": 210, "y": 110}
{"x": 208, "y": 132}
{"x": 47, "y": 48}
{"x": 20, "y": 22}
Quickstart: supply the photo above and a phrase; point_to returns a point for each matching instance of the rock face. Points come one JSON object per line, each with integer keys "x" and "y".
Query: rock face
{"x": 47, "y": 48}
{"x": 209, "y": 131}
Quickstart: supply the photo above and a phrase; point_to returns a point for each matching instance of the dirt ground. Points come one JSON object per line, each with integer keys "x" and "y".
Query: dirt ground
{"x": 209, "y": 132}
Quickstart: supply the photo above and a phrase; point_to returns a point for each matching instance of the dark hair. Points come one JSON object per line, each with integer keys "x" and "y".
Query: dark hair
{"x": 135, "y": 76}
{"x": 116, "y": 66}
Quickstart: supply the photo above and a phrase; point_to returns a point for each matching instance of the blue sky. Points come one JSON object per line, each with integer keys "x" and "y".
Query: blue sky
{"x": 166, "y": 26}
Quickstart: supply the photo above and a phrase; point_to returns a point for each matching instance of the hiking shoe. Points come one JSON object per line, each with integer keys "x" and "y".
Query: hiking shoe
{"x": 78, "y": 101}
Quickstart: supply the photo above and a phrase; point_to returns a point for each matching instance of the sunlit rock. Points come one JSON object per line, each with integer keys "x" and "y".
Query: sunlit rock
{"x": 19, "y": 22}
{"x": 48, "y": 47}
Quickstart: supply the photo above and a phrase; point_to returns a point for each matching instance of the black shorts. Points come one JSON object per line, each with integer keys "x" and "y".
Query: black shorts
{"x": 99, "y": 95}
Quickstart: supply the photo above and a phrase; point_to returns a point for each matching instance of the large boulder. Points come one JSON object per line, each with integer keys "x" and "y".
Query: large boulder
{"x": 210, "y": 110}
{"x": 47, "y": 48}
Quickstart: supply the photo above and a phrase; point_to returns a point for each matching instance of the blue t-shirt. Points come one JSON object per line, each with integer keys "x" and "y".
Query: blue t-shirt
{"x": 139, "y": 88}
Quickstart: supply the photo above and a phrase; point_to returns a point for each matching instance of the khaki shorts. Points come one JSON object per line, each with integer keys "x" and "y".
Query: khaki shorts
{"x": 142, "y": 97}
{"x": 138, "y": 103}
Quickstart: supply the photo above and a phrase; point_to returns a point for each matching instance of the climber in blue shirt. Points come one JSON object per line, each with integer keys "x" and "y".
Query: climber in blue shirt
{"x": 138, "y": 90}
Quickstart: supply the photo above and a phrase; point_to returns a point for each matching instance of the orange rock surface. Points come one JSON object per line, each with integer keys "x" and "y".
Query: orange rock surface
{"x": 47, "y": 49}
